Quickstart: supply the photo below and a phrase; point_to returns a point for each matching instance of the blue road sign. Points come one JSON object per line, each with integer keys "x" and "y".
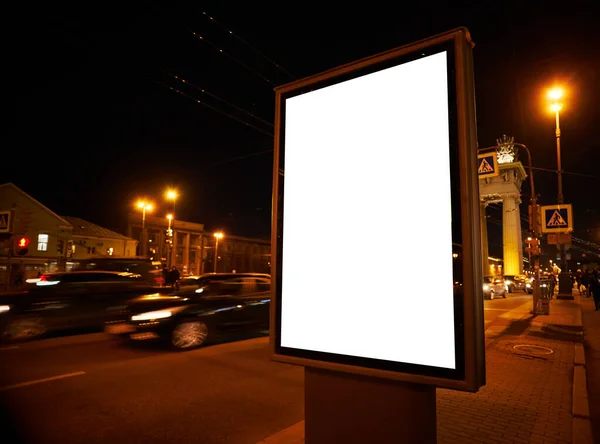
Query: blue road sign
{"x": 487, "y": 165}
{"x": 557, "y": 218}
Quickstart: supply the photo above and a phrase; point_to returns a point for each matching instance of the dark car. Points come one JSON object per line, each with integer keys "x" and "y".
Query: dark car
{"x": 516, "y": 283}
{"x": 63, "y": 301}
{"x": 218, "y": 303}
{"x": 150, "y": 270}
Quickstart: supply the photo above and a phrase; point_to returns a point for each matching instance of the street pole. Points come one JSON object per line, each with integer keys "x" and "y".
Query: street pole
{"x": 216, "y": 252}
{"x": 143, "y": 249}
{"x": 565, "y": 287}
{"x": 169, "y": 242}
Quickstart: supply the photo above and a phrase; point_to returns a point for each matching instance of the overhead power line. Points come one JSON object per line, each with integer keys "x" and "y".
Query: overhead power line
{"x": 281, "y": 68}
{"x": 216, "y": 48}
{"x": 549, "y": 170}
{"x": 214, "y": 96}
{"x": 213, "y": 108}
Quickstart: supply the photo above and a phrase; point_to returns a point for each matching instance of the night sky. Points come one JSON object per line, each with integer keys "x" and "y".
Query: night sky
{"x": 97, "y": 125}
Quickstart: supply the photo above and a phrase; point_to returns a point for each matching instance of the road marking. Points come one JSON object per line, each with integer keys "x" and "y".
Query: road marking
{"x": 39, "y": 381}
{"x": 8, "y": 348}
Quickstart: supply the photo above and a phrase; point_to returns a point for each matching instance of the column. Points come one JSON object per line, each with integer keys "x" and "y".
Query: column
{"x": 484, "y": 240}
{"x": 202, "y": 255}
{"x": 186, "y": 253}
{"x": 520, "y": 235}
{"x": 174, "y": 249}
{"x": 511, "y": 224}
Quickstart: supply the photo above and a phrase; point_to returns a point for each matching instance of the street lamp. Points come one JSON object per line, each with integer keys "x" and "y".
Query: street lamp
{"x": 218, "y": 235}
{"x": 565, "y": 288}
{"x": 144, "y": 206}
{"x": 172, "y": 195}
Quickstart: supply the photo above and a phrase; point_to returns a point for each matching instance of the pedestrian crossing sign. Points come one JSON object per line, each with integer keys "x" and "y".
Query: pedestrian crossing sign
{"x": 557, "y": 218}
{"x": 487, "y": 165}
{"x": 4, "y": 221}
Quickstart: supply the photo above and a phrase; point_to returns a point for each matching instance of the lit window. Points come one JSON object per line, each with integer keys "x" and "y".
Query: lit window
{"x": 42, "y": 242}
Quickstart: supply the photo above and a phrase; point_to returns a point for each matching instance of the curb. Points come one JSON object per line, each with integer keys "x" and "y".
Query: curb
{"x": 582, "y": 424}
{"x": 294, "y": 434}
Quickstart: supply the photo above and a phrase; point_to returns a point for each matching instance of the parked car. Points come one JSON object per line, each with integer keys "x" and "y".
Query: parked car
{"x": 188, "y": 318}
{"x": 515, "y": 283}
{"x": 493, "y": 287}
{"x": 62, "y": 301}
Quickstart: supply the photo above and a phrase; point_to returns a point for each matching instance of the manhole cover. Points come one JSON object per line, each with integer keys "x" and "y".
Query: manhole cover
{"x": 533, "y": 349}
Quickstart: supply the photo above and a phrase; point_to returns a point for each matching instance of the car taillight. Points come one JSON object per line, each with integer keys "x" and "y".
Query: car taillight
{"x": 43, "y": 278}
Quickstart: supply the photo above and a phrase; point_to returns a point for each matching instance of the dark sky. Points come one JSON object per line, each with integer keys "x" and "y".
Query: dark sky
{"x": 96, "y": 125}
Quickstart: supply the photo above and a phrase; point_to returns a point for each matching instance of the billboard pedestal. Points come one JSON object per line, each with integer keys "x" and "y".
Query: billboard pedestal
{"x": 345, "y": 408}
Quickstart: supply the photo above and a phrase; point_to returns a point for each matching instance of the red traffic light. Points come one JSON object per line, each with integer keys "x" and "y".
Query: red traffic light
{"x": 23, "y": 242}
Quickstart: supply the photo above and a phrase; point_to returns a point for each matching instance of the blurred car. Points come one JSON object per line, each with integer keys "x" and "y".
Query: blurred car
{"x": 515, "y": 283}
{"x": 188, "y": 318}
{"x": 150, "y": 270}
{"x": 547, "y": 284}
{"x": 529, "y": 284}
{"x": 493, "y": 287}
{"x": 62, "y": 301}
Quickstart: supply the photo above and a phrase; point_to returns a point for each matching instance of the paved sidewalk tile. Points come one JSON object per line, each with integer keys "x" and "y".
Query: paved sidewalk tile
{"x": 527, "y": 398}
{"x": 529, "y": 393}
{"x": 591, "y": 322}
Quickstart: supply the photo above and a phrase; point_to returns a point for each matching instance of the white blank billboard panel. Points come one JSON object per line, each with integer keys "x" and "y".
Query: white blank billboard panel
{"x": 367, "y": 246}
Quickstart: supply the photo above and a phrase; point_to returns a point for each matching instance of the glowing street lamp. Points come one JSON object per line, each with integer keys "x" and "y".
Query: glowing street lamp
{"x": 564, "y": 281}
{"x": 172, "y": 195}
{"x": 218, "y": 235}
{"x": 144, "y": 206}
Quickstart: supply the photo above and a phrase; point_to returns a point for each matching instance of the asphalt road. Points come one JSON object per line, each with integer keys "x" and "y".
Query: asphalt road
{"x": 114, "y": 393}
{"x": 92, "y": 389}
{"x": 493, "y": 309}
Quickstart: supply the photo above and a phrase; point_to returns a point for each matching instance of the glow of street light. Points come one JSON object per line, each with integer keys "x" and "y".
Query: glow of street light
{"x": 556, "y": 107}
{"x": 169, "y": 216}
{"x": 144, "y": 205}
{"x": 555, "y": 93}
{"x": 171, "y": 194}
{"x": 219, "y": 235}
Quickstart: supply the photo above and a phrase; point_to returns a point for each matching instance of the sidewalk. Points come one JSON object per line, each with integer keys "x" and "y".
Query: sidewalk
{"x": 536, "y": 388}
{"x": 591, "y": 326}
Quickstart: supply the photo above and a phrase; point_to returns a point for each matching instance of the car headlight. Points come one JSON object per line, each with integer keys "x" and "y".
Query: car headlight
{"x": 507, "y": 282}
{"x": 486, "y": 287}
{"x": 4, "y": 308}
{"x": 528, "y": 285}
{"x": 158, "y": 314}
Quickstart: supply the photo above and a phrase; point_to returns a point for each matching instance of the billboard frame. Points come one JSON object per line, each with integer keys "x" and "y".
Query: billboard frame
{"x": 471, "y": 343}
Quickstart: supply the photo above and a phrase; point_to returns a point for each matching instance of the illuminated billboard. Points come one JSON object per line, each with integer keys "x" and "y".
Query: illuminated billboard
{"x": 375, "y": 180}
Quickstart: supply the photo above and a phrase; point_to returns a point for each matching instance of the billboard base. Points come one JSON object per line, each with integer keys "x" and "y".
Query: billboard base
{"x": 341, "y": 407}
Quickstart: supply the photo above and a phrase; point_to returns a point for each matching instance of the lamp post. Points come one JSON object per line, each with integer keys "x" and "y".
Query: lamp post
{"x": 144, "y": 206}
{"x": 565, "y": 287}
{"x": 172, "y": 195}
{"x": 218, "y": 235}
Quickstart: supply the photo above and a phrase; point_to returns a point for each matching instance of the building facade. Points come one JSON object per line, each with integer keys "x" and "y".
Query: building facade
{"x": 192, "y": 249}
{"x": 90, "y": 240}
{"x": 50, "y": 242}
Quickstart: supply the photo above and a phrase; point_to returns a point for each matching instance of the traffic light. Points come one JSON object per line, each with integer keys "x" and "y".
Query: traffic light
{"x": 22, "y": 244}
{"x": 534, "y": 246}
